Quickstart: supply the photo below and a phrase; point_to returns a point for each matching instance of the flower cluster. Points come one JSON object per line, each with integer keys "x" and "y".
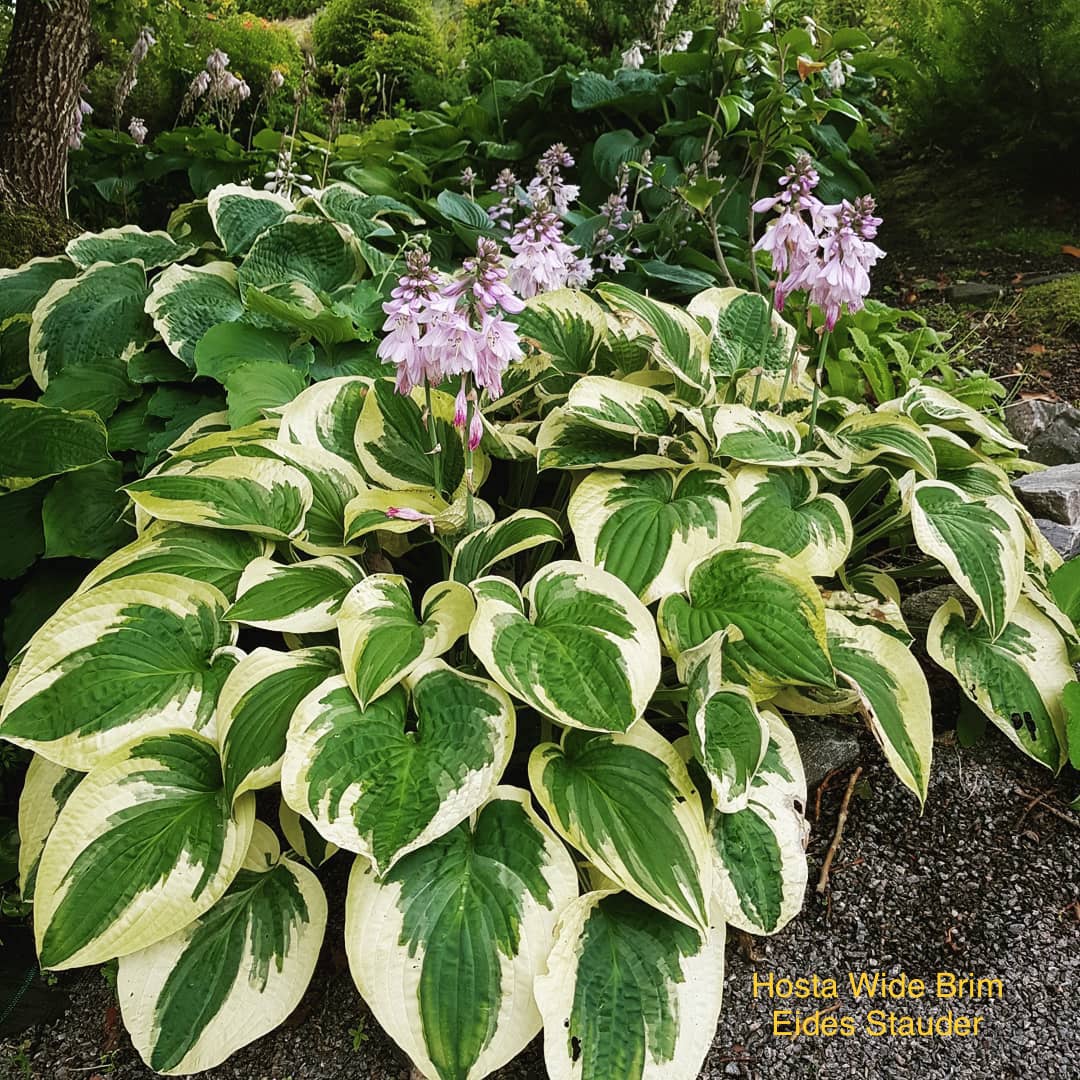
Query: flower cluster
{"x": 502, "y": 213}
{"x": 542, "y": 259}
{"x": 439, "y": 330}
{"x": 218, "y": 88}
{"x": 286, "y": 175}
{"x": 129, "y": 79}
{"x": 620, "y": 216}
{"x": 82, "y": 110}
{"x": 138, "y": 130}
{"x": 830, "y": 256}
{"x": 548, "y": 185}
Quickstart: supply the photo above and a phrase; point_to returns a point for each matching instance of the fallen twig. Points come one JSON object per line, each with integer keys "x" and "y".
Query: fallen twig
{"x": 823, "y": 880}
{"x": 1048, "y": 807}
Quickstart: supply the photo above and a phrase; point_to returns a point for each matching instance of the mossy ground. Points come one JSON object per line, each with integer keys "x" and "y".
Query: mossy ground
{"x": 1053, "y": 309}
{"x": 26, "y": 232}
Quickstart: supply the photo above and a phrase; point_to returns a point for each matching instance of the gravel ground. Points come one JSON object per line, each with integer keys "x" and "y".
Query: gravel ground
{"x": 975, "y": 885}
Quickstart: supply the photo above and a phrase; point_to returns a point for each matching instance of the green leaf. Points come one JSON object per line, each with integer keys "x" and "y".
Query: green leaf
{"x": 371, "y": 785}
{"x": 783, "y": 510}
{"x": 1016, "y": 678}
{"x": 254, "y": 709}
{"x": 772, "y": 603}
{"x": 22, "y": 288}
{"x": 446, "y": 947}
{"x": 37, "y": 442}
{"x": 1071, "y": 701}
{"x": 302, "y": 598}
{"x": 241, "y": 214}
{"x": 83, "y": 513}
{"x": 892, "y": 691}
{"x": 20, "y": 523}
{"x": 187, "y": 301}
{"x": 259, "y": 388}
{"x": 90, "y": 320}
{"x": 232, "y": 975}
{"x": 464, "y": 211}
{"x": 204, "y": 555}
{"x": 586, "y": 655}
{"x": 46, "y": 789}
{"x": 646, "y": 528}
{"x": 482, "y": 549}
{"x": 146, "y": 844}
{"x": 307, "y": 251}
{"x": 629, "y": 992}
{"x": 627, "y": 802}
{"x": 1065, "y": 588}
{"x": 327, "y": 415}
{"x": 131, "y": 656}
{"x": 382, "y": 639}
{"x": 980, "y": 543}
{"x": 152, "y": 249}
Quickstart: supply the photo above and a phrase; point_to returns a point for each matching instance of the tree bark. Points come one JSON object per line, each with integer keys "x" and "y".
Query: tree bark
{"x": 40, "y": 86}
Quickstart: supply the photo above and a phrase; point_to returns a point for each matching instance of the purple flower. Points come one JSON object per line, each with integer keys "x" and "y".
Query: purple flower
{"x": 848, "y": 254}
{"x": 406, "y": 311}
{"x": 542, "y": 259}
{"x": 407, "y": 513}
{"x": 476, "y": 429}
{"x": 461, "y": 407}
{"x": 500, "y": 347}
{"x": 137, "y": 130}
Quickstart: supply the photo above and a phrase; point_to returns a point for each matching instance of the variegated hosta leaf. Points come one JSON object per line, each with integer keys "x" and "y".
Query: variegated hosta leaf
{"x": 445, "y": 948}
{"x": 89, "y": 321}
{"x": 23, "y": 287}
{"x": 485, "y": 547}
{"x": 371, "y": 785}
{"x": 46, "y": 788}
{"x": 334, "y": 481}
{"x": 152, "y": 249}
{"x": 326, "y": 415}
{"x": 394, "y": 445}
{"x": 210, "y": 555}
{"x": 307, "y": 251}
{"x": 728, "y": 735}
{"x": 241, "y": 214}
{"x": 252, "y": 494}
{"x": 362, "y": 213}
{"x": 867, "y": 437}
{"x": 234, "y": 973}
{"x": 740, "y": 341}
{"x": 629, "y": 992}
{"x": 130, "y": 657}
{"x": 568, "y": 440}
{"x": 303, "y": 837}
{"x": 146, "y": 844}
{"x": 37, "y": 442}
{"x": 646, "y": 528}
{"x": 567, "y": 325}
{"x": 302, "y": 598}
{"x": 893, "y": 692}
{"x": 186, "y": 301}
{"x": 773, "y": 604}
{"x": 980, "y": 543}
{"x": 761, "y": 438}
{"x": 759, "y": 862}
{"x": 627, "y": 802}
{"x": 679, "y": 345}
{"x": 622, "y": 407}
{"x": 979, "y": 479}
{"x": 783, "y": 510}
{"x": 586, "y": 655}
{"x": 379, "y": 510}
{"x": 383, "y": 640}
{"x": 925, "y": 402}
{"x": 1016, "y": 679}
{"x": 255, "y": 707}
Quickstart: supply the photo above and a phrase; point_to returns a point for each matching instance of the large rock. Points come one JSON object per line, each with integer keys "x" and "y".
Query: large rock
{"x": 1064, "y": 539}
{"x": 1053, "y": 494}
{"x": 919, "y": 608}
{"x": 1051, "y": 430}
{"x": 823, "y": 747}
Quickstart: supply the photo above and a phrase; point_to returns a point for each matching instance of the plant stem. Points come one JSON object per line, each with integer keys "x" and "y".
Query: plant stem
{"x": 433, "y": 438}
{"x": 787, "y": 370}
{"x": 817, "y": 383}
{"x": 470, "y": 509}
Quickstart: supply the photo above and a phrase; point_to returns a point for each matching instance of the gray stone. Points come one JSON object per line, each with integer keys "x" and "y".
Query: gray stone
{"x": 1059, "y": 442}
{"x": 823, "y": 746}
{"x": 919, "y": 608}
{"x": 1064, "y": 539}
{"x": 1053, "y": 494}
{"x": 974, "y": 292}
{"x": 1028, "y": 418}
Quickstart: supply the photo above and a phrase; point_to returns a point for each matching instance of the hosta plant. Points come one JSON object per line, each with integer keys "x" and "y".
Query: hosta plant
{"x": 527, "y": 662}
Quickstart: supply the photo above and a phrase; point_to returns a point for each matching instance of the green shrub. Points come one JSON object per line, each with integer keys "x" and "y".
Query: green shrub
{"x": 999, "y": 76}
{"x": 380, "y": 47}
{"x": 550, "y": 27}
{"x": 504, "y": 58}
{"x": 285, "y": 9}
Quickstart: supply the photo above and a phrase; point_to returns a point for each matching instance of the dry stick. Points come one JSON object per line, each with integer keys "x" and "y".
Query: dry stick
{"x": 823, "y": 881}
{"x": 1067, "y": 818}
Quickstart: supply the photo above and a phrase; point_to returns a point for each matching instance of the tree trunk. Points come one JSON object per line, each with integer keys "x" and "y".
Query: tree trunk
{"x": 39, "y": 89}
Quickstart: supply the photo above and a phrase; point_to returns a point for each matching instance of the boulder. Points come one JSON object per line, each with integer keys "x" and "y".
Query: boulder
{"x": 976, "y": 292}
{"x": 823, "y": 746}
{"x": 1053, "y": 494}
{"x": 1064, "y": 539}
{"x": 1051, "y": 430}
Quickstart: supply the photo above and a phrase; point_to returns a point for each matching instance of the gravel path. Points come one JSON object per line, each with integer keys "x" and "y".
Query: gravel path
{"x": 975, "y": 885}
